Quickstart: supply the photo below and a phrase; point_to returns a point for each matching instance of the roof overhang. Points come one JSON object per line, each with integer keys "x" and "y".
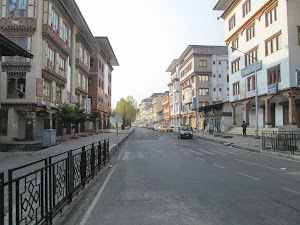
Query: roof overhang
{"x": 222, "y": 5}
{"x": 172, "y": 66}
{"x": 8, "y": 48}
{"x": 104, "y": 43}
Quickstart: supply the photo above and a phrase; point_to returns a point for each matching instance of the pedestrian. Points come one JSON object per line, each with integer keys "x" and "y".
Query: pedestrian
{"x": 244, "y": 126}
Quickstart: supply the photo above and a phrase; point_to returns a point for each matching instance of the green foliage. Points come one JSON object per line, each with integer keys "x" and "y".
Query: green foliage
{"x": 127, "y": 109}
{"x": 94, "y": 117}
{"x": 65, "y": 115}
{"x": 79, "y": 115}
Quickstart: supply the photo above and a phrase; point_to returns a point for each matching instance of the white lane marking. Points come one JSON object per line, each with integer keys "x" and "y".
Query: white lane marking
{"x": 228, "y": 151}
{"x": 195, "y": 152}
{"x": 210, "y": 153}
{"x": 185, "y": 152}
{"x": 126, "y": 156}
{"x": 258, "y": 165}
{"x": 90, "y": 209}
{"x": 295, "y": 192}
{"x": 245, "y": 175}
{"x": 140, "y": 155}
{"x": 218, "y": 152}
{"x": 219, "y": 166}
{"x": 200, "y": 158}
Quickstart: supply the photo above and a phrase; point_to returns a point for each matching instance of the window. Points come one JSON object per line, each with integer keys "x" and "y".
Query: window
{"x": 65, "y": 33}
{"x": 220, "y": 75}
{"x": 16, "y": 86}
{"x": 203, "y": 78}
{"x": 203, "y": 104}
{"x": 250, "y": 32}
{"x": 227, "y": 78}
{"x": 58, "y": 96}
{"x": 214, "y": 62}
{"x": 22, "y": 44}
{"x": 236, "y": 89}
{"x": 298, "y": 35}
{"x": 54, "y": 20}
{"x": 81, "y": 53}
{"x": 232, "y": 22}
{"x": 17, "y": 8}
{"x": 90, "y": 81}
{"x": 246, "y": 8}
{"x": 274, "y": 75}
{"x": 272, "y": 15}
{"x": 273, "y": 44}
{"x": 79, "y": 80}
{"x": 214, "y": 89}
{"x": 203, "y": 91}
{"x": 61, "y": 63}
{"x": 50, "y": 58}
{"x": 91, "y": 62}
{"x": 220, "y": 89}
{"x": 83, "y": 83}
{"x": 235, "y": 43}
{"x": 251, "y": 83}
{"x": 187, "y": 69}
{"x": 47, "y": 92}
{"x": 203, "y": 63}
{"x": 235, "y": 66}
{"x": 251, "y": 56}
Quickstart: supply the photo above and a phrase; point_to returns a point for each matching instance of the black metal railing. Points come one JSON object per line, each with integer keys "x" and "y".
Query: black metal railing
{"x": 281, "y": 140}
{"x": 36, "y": 192}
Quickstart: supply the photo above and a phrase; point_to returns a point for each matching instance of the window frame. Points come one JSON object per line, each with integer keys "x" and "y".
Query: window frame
{"x": 235, "y": 65}
{"x": 202, "y": 63}
{"x": 250, "y": 32}
{"x": 246, "y": 7}
{"x": 251, "y": 83}
{"x": 276, "y": 37}
{"x": 231, "y": 22}
{"x": 205, "y": 90}
{"x": 236, "y": 88}
{"x": 274, "y": 75}
{"x": 272, "y": 11}
{"x": 251, "y": 56}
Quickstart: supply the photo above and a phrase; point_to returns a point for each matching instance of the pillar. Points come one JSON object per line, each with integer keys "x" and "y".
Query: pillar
{"x": 268, "y": 122}
{"x": 233, "y": 114}
{"x": 246, "y": 112}
{"x": 292, "y": 108}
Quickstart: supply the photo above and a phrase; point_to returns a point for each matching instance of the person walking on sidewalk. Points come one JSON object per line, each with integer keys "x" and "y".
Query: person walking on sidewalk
{"x": 244, "y": 126}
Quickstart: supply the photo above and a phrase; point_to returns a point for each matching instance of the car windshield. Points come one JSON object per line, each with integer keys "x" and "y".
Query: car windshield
{"x": 185, "y": 128}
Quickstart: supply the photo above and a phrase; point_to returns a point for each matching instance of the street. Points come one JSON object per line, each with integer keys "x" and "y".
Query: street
{"x": 160, "y": 179}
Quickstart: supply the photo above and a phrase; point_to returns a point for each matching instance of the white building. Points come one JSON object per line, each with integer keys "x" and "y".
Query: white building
{"x": 199, "y": 77}
{"x": 266, "y": 31}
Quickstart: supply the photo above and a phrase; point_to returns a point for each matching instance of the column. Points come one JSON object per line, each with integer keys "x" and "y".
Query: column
{"x": 233, "y": 114}
{"x": 268, "y": 122}
{"x": 246, "y": 112}
{"x": 292, "y": 108}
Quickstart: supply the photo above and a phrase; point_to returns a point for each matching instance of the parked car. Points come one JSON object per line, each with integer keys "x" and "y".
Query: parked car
{"x": 155, "y": 127}
{"x": 185, "y": 132}
{"x": 171, "y": 129}
{"x": 163, "y": 128}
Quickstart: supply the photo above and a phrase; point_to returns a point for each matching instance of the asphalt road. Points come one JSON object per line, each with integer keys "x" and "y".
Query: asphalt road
{"x": 160, "y": 179}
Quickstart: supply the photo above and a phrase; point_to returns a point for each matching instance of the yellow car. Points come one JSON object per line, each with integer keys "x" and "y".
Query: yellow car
{"x": 163, "y": 128}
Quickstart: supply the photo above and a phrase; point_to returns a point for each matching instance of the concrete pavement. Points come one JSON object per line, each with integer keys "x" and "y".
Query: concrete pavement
{"x": 248, "y": 143}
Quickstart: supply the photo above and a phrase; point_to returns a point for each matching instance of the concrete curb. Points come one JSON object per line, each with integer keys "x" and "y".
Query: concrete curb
{"x": 252, "y": 149}
{"x": 113, "y": 148}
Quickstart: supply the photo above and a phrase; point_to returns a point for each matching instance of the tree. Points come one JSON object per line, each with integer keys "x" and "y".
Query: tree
{"x": 127, "y": 109}
{"x": 79, "y": 115}
{"x": 94, "y": 117}
{"x": 65, "y": 115}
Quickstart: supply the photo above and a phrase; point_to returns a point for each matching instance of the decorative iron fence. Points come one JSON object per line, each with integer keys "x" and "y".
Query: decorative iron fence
{"x": 281, "y": 140}
{"x": 36, "y": 192}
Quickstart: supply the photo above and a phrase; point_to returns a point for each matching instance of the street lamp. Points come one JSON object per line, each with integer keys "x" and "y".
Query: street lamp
{"x": 256, "y": 101}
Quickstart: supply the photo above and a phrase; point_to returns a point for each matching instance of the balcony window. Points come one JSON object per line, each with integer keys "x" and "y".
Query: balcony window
{"x": 17, "y": 8}
{"x": 235, "y": 43}
{"x": 50, "y": 58}
{"x": 47, "y": 91}
{"x": 246, "y": 8}
{"x": 16, "y": 86}
{"x": 272, "y": 15}
{"x": 203, "y": 91}
{"x": 54, "y": 21}
{"x": 274, "y": 75}
{"x": 250, "y": 32}
{"x": 232, "y": 22}
{"x": 203, "y": 78}
{"x": 273, "y": 44}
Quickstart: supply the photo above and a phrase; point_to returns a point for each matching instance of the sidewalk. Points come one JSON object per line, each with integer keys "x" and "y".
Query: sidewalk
{"x": 13, "y": 159}
{"x": 248, "y": 143}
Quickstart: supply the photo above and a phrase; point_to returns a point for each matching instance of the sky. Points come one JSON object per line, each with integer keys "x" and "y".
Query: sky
{"x": 146, "y": 35}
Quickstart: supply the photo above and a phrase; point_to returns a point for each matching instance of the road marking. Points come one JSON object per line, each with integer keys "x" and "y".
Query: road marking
{"x": 219, "y": 166}
{"x": 90, "y": 209}
{"x": 228, "y": 151}
{"x": 200, "y": 158}
{"x": 185, "y": 152}
{"x": 295, "y": 192}
{"x": 258, "y": 165}
{"x": 140, "y": 155}
{"x": 126, "y": 156}
{"x": 195, "y": 152}
{"x": 245, "y": 175}
{"x": 210, "y": 153}
{"x": 218, "y": 152}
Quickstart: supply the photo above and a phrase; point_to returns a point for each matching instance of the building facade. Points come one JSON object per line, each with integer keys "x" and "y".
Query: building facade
{"x": 32, "y": 89}
{"x": 166, "y": 109}
{"x": 263, "y": 39}
{"x": 203, "y": 79}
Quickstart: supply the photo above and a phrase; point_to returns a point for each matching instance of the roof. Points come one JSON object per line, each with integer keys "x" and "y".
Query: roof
{"x": 108, "y": 50}
{"x": 172, "y": 66}
{"x": 8, "y": 48}
{"x": 222, "y": 5}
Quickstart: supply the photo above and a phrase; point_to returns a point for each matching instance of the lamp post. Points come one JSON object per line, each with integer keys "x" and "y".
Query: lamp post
{"x": 256, "y": 93}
